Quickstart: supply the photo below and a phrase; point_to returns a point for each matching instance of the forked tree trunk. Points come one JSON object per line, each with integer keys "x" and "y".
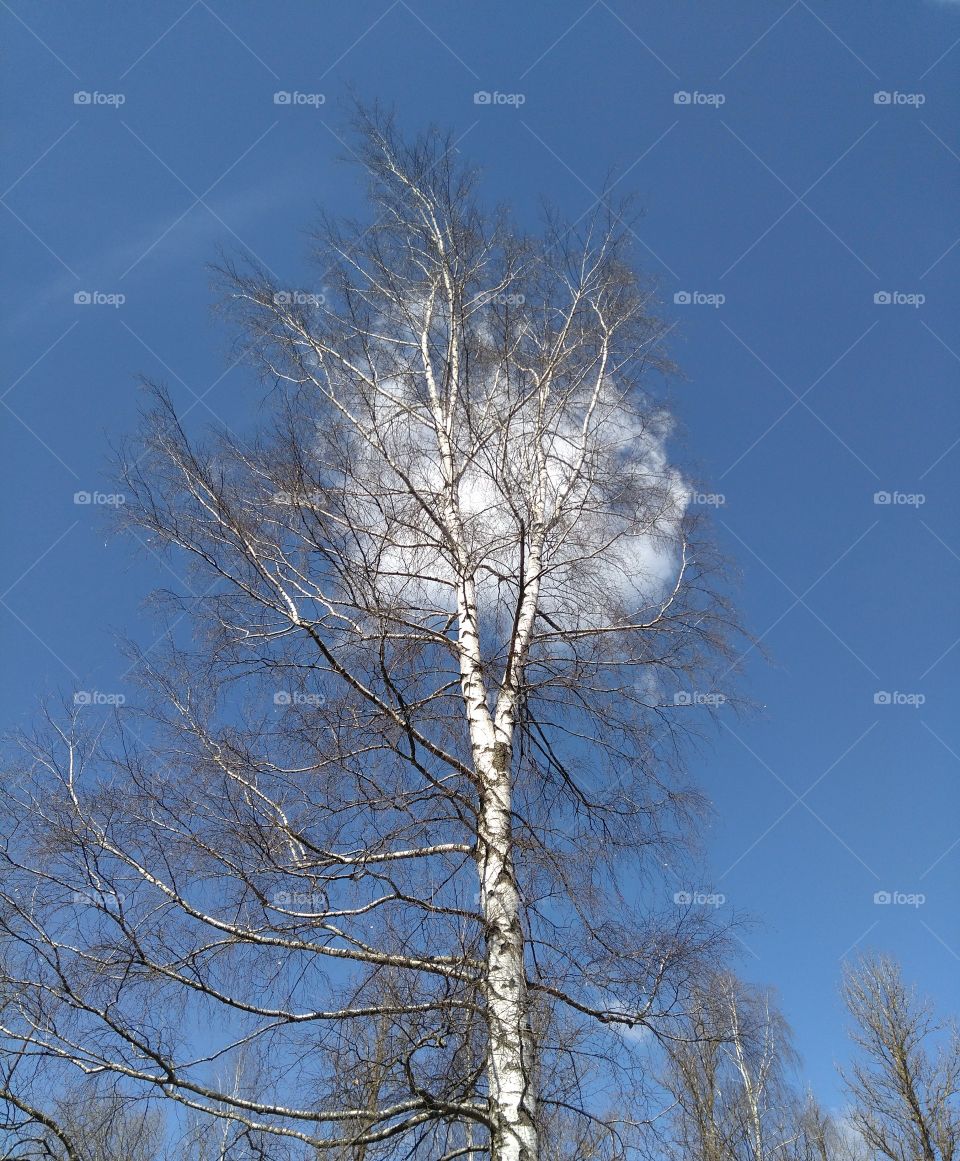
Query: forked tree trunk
{"x": 464, "y": 411}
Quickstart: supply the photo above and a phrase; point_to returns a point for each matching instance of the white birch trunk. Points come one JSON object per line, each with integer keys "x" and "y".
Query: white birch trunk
{"x": 510, "y": 1050}
{"x": 510, "y": 1053}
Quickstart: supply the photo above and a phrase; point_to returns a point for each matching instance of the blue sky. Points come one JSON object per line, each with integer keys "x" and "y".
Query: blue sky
{"x": 797, "y": 159}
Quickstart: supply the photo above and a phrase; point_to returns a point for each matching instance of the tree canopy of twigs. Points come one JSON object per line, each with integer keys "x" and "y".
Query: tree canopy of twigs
{"x": 904, "y": 1083}
{"x": 376, "y": 868}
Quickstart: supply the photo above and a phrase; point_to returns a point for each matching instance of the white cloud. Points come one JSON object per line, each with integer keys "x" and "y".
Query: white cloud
{"x": 604, "y": 559}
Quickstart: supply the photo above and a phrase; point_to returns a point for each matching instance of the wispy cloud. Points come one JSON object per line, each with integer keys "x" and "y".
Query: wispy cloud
{"x": 191, "y": 240}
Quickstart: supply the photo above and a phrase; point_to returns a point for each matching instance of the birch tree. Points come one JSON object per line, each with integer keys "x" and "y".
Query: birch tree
{"x": 727, "y": 1077}
{"x": 731, "y": 1087}
{"x": 396, "y": 821}
{"x": 820, "y": 1137}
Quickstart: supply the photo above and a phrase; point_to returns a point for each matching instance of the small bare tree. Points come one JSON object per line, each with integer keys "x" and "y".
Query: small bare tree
{"x": 815, "y": 1137}
{"x": 78, "y": 1125}
{"x": 393, "y": 822}
{"x": 821, "y": 1137}
{"x": 727, "y": 1077}
{"x": 905, "y": 1085}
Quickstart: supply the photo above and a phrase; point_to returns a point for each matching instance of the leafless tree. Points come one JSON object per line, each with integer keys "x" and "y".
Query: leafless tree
{"x": 80, "y": 1124}
{"x": 392, "y": 824}
{"x": 820, "y": 1137}
{"x": 905, "y": 1084}
{"x": 815, "y": 1134}
{"x": 727, "y": 1077}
